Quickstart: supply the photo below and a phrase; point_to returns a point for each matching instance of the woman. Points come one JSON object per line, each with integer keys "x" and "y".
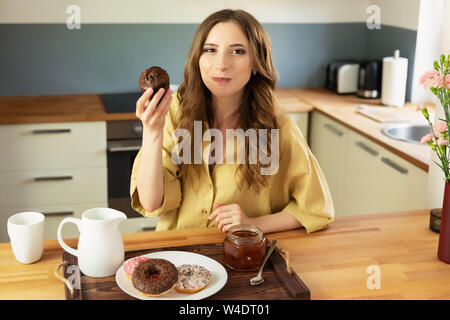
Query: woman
{"x": 229, "y": 83}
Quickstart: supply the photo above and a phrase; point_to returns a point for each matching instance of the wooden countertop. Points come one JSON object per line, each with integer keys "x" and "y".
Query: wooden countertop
{"x": 342, "y": 108}
{"x": 56, "y": 108}
{"x": 333, "y": 263}
{"x": 89, "y": 107}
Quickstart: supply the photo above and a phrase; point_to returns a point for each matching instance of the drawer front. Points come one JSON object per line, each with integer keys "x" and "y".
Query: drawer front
{"x": 53, "y": 146}
{"x": 136, "y": 225}
{"x": 362, "y": 167}
{"x": 403, "y": 185}
{"x": 53, "y": 217}
{"x": 53, "y": 187}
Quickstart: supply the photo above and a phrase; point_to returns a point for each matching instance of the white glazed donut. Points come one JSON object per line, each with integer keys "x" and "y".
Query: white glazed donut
{"x": 192, "y": 278}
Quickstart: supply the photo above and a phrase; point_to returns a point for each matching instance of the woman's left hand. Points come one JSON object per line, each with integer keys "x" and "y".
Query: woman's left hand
{"x": 228, "y": 215}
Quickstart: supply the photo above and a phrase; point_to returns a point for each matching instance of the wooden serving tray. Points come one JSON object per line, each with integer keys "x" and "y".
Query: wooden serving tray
{"x": 278, "y": 283}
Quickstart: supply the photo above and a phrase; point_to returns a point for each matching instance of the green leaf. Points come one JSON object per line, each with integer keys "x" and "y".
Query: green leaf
{"x": 425, "y": 113}
{"x": 434, "y": 90}
{"x": 442, "y": 58}
{"x": 438, "y": 165}
{"x": 436, "y": 66}
{"x": 432, "y": 146}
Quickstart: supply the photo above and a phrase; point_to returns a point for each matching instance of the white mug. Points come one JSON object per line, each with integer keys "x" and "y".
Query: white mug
{"x": 26, "y": 232}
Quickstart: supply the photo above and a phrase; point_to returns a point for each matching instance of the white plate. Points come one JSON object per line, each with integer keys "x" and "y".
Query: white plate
{"x": 219, "y": 276}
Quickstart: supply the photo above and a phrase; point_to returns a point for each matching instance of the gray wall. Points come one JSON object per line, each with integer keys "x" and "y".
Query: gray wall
{"x": 46, "y": 59}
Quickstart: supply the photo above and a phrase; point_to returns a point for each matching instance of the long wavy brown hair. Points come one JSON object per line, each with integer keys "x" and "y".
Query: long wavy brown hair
{"x": 259, "y": 108}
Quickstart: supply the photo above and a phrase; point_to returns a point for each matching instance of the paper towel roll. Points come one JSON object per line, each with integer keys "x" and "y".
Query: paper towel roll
{"x": 393, "y": 83}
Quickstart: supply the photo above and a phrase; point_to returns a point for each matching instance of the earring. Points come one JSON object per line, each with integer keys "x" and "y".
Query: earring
{"x": 254, "y": 72}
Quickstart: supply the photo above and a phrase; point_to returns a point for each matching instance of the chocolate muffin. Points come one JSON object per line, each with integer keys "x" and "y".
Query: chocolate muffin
{"x": 154, "y": 77}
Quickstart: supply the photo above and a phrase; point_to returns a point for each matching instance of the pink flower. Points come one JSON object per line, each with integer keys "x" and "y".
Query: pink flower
{"x": 429, "y": 79}
{"x": 427, "y": 75}
{"x": 426, "y": 138}
{"x": 439, "y": 127}
{"x": 442, "y": 142}
{"x": 447, "y": 81}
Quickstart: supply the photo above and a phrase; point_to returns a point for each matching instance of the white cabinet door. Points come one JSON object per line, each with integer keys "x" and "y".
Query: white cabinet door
{"x": 402, "y": 185}
{"x": 48, "y": 146}
{"x": 301, "y": 119}
{"x": 328, "y": 143}
{"x": 362, "y": 181}
{"x": 53, "y": 187}
{"x": 378, "y": 181}
{"x": 136, "y": 225}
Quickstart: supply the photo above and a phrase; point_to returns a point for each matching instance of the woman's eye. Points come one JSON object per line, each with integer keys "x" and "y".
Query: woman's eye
{"x": 239, "y": 51}
{"x": 235, "y": 51}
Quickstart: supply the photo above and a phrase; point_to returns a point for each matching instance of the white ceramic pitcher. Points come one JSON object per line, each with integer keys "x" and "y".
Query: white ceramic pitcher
{"x": 100, "y": 246}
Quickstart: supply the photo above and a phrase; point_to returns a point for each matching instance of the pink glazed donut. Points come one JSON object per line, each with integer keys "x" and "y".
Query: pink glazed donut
{"x": 132, "y": 263}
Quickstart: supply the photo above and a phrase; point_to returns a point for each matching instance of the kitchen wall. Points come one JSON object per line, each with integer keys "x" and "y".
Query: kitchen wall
{"x": 118, "y": 39}
{"x": 399, "y": 20}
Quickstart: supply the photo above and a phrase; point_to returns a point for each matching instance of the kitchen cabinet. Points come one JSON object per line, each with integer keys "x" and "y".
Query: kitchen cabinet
{"x": 363, "y": 176}
{"x": 58, "y": 169}
{"x": 301, "y": 119}
{"x": 403, "y": 185}
{"x": 48, "y": 187}
{"x": 328, "y": 141}
{"x": 136, "y": 225}
{"x": 51, "y": 146}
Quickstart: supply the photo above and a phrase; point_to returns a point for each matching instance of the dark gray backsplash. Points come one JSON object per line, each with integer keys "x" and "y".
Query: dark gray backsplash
{"x": 46, "y": 59}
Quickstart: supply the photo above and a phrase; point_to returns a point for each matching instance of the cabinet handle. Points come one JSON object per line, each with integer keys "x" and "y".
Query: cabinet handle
{"x": 124, "y": 148}
{"x": 58, "y": 178}
{"x": 45, "y": 131}
{"x": 333, "y": 129}
{"x": 366, "y": 148}
{"x": 395, "y": 166}
{"x": 148, "y": 228}
{"x": 60, "y": 213}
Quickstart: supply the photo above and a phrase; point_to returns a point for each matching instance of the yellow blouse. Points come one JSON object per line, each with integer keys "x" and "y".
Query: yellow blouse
{"x": 299, "y": 187}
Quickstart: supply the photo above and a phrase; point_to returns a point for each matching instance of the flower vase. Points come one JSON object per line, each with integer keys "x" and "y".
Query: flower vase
{"x": 444, "y": 234}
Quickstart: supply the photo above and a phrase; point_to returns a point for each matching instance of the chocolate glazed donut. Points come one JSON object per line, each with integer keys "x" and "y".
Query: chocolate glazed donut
{"x": 155, "y": 277}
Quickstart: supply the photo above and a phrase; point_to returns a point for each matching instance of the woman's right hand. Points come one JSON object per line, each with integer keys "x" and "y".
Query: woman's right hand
{"x": 152, "y": 117}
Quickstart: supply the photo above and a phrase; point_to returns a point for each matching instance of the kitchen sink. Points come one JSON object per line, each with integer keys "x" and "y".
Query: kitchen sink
{"x": 407, "y": 132}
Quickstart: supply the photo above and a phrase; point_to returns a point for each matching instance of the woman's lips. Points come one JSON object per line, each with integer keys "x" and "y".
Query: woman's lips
{"x": 221, "y": 80}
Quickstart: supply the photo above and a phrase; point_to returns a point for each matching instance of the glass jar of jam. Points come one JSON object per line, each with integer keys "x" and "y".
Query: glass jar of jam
{"x": 244, "y": 247}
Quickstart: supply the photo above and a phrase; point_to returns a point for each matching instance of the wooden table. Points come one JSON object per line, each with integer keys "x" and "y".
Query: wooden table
{"x": 333, "y": 263}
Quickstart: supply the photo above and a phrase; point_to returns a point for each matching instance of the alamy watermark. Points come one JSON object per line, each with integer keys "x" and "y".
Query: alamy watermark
{"x": 74, "y": 278}
{"x": 374, "y": 18}
{"x": 258, "y": 146}
{"x": 374, "y": 280}
{"x": 74, "y": 20}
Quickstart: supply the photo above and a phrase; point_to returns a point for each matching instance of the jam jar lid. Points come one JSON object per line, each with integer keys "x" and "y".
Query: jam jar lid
{"x": 245, "y": 233}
